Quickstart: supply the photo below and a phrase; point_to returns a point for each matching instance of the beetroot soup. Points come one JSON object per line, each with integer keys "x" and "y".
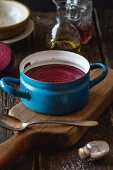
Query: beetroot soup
{"x": 55, "y": 73}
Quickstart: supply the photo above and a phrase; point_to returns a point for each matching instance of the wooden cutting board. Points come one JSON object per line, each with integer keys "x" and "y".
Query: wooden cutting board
{"x": 62, "y": 136}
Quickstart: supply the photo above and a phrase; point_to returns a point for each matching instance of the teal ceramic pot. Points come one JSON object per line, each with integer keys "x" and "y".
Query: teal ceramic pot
{"x": 54, "y": 98}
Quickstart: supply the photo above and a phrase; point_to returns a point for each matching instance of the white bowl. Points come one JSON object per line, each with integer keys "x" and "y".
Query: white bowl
{"x": 14, "y": 17}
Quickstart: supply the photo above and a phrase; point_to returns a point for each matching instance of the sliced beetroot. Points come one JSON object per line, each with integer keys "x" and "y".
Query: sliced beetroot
{"x": 5, "y": 55}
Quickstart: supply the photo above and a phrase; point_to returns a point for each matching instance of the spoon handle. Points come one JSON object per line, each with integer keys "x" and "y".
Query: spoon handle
{"x": 87, "y": 123}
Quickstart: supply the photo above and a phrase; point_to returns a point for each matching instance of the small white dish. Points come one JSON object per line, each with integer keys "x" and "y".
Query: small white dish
{"x": 14, "y": 16}
{"x": 24, "y": 34}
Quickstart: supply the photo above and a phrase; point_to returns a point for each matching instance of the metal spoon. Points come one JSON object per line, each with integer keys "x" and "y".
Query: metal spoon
{"x": 15, "y": 124}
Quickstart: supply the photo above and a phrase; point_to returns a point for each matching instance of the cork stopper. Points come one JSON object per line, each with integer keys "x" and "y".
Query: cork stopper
{"x": 83, "y": 153}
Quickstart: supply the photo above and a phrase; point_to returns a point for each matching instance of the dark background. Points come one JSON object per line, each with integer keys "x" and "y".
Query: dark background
{"x": 47, "y": 5}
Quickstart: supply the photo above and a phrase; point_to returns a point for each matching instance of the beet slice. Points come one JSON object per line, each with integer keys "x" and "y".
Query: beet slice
{"x": 5, "y": 56}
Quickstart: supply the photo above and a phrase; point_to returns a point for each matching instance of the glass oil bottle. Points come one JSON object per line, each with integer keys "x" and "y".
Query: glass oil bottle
{"x": 63, "y": 35}
{"x": 94, "y": 150}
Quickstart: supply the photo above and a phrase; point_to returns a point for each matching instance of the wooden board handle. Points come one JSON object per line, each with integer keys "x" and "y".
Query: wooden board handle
{"x": 19, "y": 143}
{"x": 13, "y": 148}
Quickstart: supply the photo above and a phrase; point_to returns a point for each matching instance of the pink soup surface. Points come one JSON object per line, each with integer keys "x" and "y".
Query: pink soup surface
{"x": 55, "y": 73}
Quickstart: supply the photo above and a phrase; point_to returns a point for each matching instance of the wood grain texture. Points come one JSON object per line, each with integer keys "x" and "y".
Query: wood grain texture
{"x": 47, "y": 134}
{"x": 68, "y": 159}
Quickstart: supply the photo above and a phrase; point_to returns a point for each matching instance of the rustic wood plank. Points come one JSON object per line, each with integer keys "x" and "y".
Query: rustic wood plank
{"x": 92, "y": 53}
{"x": 69, "y": 159}
{"x": 106, "y": 27}
{"x": 20, "y": 49}
{"x": 66, "y": 159}
{"x": 52, "y": 134}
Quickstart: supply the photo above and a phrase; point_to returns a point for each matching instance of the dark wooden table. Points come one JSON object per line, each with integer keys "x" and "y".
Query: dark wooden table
{"x": 100, "y": 48}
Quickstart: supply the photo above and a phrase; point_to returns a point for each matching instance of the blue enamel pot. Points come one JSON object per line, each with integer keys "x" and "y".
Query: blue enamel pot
{"x": 54, "y": 98}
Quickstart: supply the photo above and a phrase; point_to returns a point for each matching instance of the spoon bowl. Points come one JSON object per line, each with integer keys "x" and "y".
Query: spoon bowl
{"x": 14, "y": 124}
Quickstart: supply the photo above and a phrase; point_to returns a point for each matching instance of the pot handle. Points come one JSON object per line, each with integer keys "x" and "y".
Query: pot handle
{"x": 101, "y": 76}
{"x": 4, "y": 85}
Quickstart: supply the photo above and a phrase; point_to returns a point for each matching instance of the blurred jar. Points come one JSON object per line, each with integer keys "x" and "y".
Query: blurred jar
{"x": 84, "y": 25}
{"x": 7, "y": 59}
{"x": 63, "y": 35}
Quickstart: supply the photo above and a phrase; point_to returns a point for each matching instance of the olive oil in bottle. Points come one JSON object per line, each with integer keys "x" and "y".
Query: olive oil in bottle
{"x": 63, "y": 36}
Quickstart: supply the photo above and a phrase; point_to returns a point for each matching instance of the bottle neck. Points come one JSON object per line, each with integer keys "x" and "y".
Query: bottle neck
{"x": 62, "y": 12}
